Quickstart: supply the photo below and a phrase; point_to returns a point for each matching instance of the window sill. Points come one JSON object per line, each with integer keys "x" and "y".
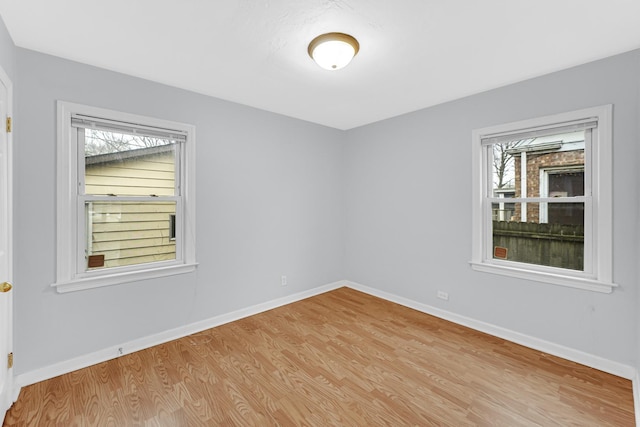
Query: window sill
{"x": 555, "y": 279}
{"x": 124, "y": 277}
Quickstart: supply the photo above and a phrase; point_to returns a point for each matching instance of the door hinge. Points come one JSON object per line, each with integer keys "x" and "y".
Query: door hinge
{"x": 10, "y": 360}
{"x": 9, "y": 124}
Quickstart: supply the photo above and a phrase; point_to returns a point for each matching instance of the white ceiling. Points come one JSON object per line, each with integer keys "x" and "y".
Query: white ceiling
{"x": 413, "y": 53}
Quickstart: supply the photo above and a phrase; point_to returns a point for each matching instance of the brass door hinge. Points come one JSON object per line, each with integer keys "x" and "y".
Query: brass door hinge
{"x": 9, "y": 125}
{"x": 10, "y": 360}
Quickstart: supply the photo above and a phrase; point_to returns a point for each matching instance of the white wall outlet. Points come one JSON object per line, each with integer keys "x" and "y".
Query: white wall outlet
{"x": 283, "y": 281}
{"x": 443, "y": 295}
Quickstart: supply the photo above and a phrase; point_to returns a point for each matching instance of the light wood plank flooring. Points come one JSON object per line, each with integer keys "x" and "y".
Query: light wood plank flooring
{"x": 340, "y": 358}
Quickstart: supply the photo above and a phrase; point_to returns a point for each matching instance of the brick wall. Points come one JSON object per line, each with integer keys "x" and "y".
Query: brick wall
{"x": 536, "y": 162}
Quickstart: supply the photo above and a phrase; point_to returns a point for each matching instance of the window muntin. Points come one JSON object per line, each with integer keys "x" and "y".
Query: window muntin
{"x": 126, "y": 197}
{"x": 586, "y": 204}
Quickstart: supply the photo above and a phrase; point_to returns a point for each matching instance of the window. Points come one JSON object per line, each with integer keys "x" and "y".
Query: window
{"x": 126, "y": 198}
{"x": 172, "y": 227}
{"x": 556, "y": 172}
{"x": 562, "y": 182}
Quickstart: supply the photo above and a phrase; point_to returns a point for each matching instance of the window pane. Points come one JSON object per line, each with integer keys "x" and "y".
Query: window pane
{"x": 566, "y": 183}
{"x": 566, "y": 213}
{"x": 553, "y": 244}
{"x": 128, "y": 233}
{"x": 503, "y": 169}
{"x": 128, "y": 165}
{"x": 554, "y": 166}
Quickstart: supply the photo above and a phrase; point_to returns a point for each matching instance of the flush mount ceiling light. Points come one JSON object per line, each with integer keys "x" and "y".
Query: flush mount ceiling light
{"x": 333, "y": 51}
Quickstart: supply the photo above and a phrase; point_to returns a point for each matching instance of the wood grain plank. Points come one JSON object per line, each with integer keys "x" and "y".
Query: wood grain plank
{"x": 342, "y": 358}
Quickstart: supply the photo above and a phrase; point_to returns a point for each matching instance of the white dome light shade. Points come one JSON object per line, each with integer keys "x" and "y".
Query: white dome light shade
{"x": 333, "y": 51}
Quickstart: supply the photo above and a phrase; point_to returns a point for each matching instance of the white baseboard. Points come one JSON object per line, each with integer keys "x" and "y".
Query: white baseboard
{"x": 573, "y": 355}
{"x": 113, "y": 352}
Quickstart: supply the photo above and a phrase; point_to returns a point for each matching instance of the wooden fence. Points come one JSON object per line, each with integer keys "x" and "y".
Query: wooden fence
{"x": 553, "y": 245}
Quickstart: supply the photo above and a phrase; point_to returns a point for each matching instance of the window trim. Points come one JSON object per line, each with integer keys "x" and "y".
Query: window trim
{"x": 67, "y": 277}
{"x": 600, "y": 279}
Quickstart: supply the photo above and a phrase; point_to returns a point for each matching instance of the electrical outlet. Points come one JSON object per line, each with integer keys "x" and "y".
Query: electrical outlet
{"x": 443, "y": 295}
{"x": 283, "y": 281}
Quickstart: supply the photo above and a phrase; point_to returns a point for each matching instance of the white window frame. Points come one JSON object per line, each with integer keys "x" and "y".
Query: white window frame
{"x": 70, "y": 218}
{"x": 598, "y": 273}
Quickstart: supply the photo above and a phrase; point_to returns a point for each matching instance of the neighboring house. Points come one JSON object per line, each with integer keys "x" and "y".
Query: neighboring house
{"x": 554, "y": 168}
{"x": 503, "y": 211}
{"x": 128, "y": 233}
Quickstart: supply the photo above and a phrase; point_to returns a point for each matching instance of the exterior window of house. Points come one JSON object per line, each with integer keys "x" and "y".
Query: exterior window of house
{"x": 172, "y": 227}
{"x": 562, "y": 182}
{"x": 125, "y": 197}
{"x": 556, "y": 173}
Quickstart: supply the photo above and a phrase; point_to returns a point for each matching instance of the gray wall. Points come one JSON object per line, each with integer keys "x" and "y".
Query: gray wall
{"x": 408, "y": 201}
{"x": 269, "y": 202}
{"x": 7, "y": 51}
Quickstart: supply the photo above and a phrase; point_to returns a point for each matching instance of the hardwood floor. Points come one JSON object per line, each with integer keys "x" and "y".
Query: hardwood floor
{"x": 340, "y": 358}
